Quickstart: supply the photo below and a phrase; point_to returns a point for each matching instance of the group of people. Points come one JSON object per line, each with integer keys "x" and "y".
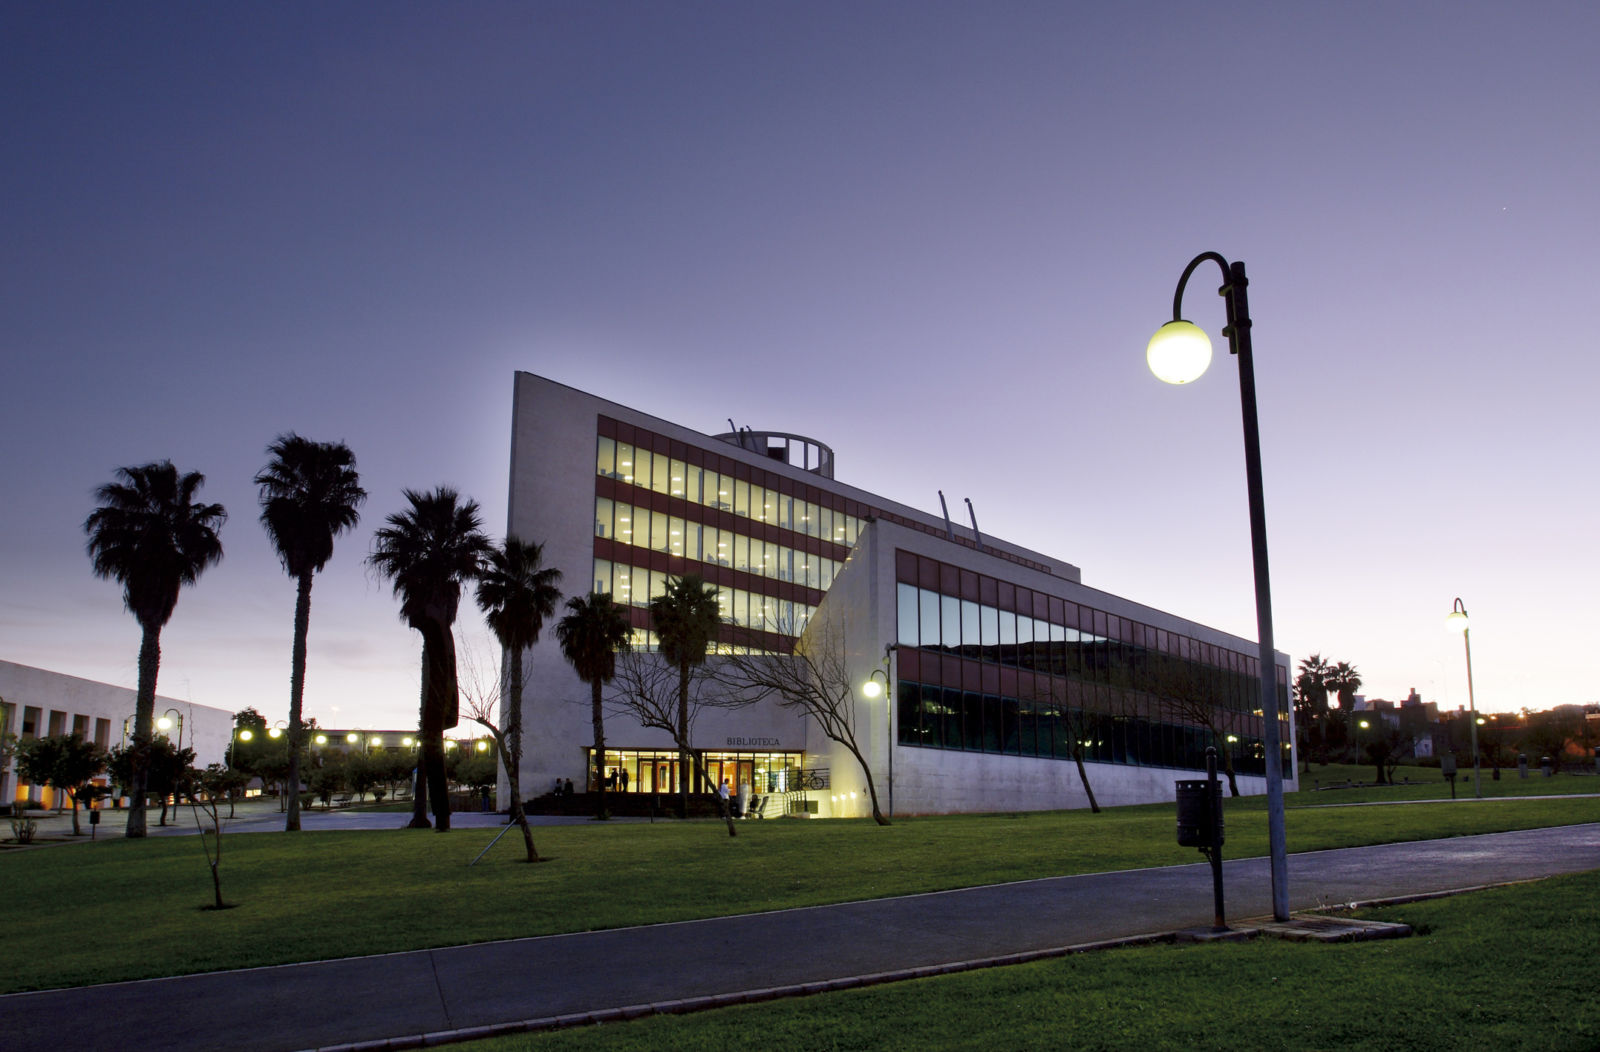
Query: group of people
{"x": 615, "y": 780}
{"x": 743, "y": 799}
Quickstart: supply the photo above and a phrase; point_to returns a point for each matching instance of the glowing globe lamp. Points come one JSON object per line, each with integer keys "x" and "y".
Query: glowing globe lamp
{"x": 1179, "y": 352}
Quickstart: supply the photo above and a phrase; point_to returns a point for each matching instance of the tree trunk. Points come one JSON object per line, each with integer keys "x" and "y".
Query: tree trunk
{"x": 699, "y": 765}
{"x": 1083, "y": 776}
{"x": 872, "y": 786}
{"x": 514, "y": 752}
{"x": 143, "y": 721}
{"x": 297, "y": 689}
{"x": 76, "y": 829}
{"x": 444, "y": 701}
{"x": 683, "y": 742}
{"x": 599, "y": 752}
{"x": 419, "y": 775}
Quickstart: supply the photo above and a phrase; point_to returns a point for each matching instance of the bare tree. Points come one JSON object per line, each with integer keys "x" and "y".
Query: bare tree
{"x": 650, "y": 690}
{"x": 1184, "y": 695}
{"x": 480, "y": 693}
{"x": 205, "y": 791}
{"x": 1079, "y": 726}
{"x": 814, "y": 680}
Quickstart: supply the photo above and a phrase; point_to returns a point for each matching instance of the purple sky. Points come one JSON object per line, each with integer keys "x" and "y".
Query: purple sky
{"x": 934, "y": 236}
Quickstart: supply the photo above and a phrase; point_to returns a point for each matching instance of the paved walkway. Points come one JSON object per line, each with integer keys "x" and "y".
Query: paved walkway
{"x": 263, "y": 816}
{"x": 625, "y": 972}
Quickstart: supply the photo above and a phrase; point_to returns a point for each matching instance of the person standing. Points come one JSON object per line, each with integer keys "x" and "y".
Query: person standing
{"x": 722, "y": 797}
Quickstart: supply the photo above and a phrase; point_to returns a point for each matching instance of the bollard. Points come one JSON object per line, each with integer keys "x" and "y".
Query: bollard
{"x": 1522, "y": 765}
{"x": 1544, "y": 765}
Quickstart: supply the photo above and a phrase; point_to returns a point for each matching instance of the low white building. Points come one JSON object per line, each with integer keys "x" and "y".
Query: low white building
{"x": 38, "y": 703}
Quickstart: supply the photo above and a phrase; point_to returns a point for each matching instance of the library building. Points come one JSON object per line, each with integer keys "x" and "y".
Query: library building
{"x": 985, "y": 672}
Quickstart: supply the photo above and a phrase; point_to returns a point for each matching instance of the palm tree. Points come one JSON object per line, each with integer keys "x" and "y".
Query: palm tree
{"x": 1344, "y": 679}
{"x": 428, "y": 551}
{"x": 150, "y": 535}
{"x": 309, "y": 495}
{"x": 594, "y": 629}
{"x": 516, "y": 594}
{"x": 686, "y": 616}
{"x": 1311, "y": 684}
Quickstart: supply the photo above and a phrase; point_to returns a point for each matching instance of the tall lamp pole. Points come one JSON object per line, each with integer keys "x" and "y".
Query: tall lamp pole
{"x": 1457, "y": 620}
{"x": 1179, "y": 353}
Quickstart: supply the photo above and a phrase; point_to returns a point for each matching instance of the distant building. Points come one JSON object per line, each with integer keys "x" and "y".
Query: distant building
{"x": 993, "y": 650}
{"x": 37, "y": 703}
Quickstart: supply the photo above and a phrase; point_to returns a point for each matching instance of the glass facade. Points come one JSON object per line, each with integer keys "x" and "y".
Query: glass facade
{"x": 704, "y": 542}
{"x": 989, "y": 666}
{"x": 1043, "y": 724}
{"x": 769, "y": 544}
{"x": 724, "y": 490}
{"x": 656, "y": 770}
{"x": 742, "y": 608}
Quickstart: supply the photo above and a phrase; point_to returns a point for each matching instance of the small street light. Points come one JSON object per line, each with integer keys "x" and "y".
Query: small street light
{"x": 1179, "y": 353}
{"x": 1456, "y": 621}
{"x": 876, "y": 686}
{"x": 168, "y": 720}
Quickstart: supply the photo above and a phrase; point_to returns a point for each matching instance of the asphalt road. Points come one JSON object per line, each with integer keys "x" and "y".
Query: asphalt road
{"x": 510, "y": 983}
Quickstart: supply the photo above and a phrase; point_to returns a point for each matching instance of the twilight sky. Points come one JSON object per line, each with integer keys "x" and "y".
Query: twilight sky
{"x": 933, "y": 235}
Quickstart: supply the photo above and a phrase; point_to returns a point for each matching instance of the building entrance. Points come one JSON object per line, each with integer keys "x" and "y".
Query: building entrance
{"x": 656, "y": 771}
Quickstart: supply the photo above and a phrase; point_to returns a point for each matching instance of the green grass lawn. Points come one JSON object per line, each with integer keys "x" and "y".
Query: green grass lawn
{"x": 310, "y": 896}
{"x": 1426, "y": 783}
{"x": 1500, "y": 969}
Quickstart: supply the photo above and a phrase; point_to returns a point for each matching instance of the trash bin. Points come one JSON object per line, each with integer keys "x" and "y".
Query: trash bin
{"x": 1196, "y": 814}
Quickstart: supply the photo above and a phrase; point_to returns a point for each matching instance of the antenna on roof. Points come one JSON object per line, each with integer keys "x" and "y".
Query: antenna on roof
{"x": 975, "y": 534}
{"x": 949, "y": 530}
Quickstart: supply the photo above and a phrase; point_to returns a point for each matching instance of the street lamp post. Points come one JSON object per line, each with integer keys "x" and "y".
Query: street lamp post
{"x": 1457, "y": 620}
{"x": 166, "y": 721}
{"x": 1179, "y": 353}
{"x": 240, "y": 734}
{"x": 878, "y": 683}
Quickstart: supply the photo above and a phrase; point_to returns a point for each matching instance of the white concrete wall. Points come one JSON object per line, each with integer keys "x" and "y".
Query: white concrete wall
{"x": 554, "y": 437}
{"x": 204, "y": 729}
